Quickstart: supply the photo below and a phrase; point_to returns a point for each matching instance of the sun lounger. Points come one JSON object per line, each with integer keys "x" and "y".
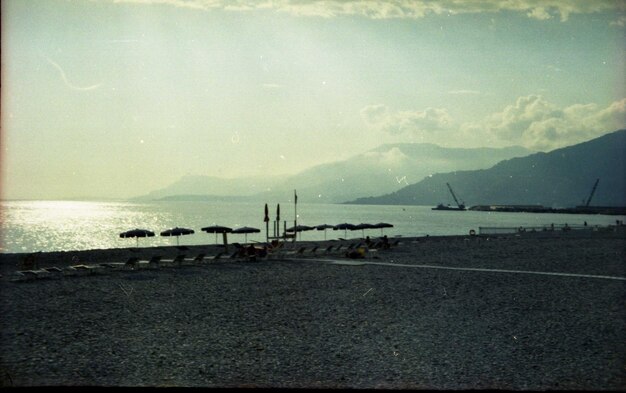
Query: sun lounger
{"x": 328, "y": 249}
{"x": 179, "y": 260}
{"x": 199, "y": 258}
{"x": 86, "y": 269}
{"x": 173, "y": 262}
{"x": 54, "y": 271}
{"x": 131, "y": 263}
{"x": 28, "y": 275}
{"x": 155, "y": 262}
{"x": 299, "y": 251}
{"x": 217, "y": 256}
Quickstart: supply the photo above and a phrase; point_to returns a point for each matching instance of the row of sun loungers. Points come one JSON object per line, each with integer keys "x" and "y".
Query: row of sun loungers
{"x": 263, "y": 251}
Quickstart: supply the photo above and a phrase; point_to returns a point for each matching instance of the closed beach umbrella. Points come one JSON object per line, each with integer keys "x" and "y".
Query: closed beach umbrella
{"x": 345, "y": 226}
{"x": 177, "y": 232}
{"x": 246, "y": 230}
{"x": 382, "y": 225}
{"x": 217, "y": 229}
{"x": 137, "y": 233}
{"x": 323, "y": 227}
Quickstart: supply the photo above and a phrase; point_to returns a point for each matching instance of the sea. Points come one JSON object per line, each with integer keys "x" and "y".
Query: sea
{"x": 30, "y": 226}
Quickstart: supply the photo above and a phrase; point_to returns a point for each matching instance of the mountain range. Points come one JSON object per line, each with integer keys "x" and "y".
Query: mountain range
{"x": 559, "y": 178}
{"x": 384, "y": 169}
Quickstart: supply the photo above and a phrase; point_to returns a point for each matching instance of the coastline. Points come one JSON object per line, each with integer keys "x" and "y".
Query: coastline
{"x": 307, "y": 322}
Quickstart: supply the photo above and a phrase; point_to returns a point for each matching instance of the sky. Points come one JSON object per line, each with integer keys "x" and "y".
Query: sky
{"x": 116, "y": 98}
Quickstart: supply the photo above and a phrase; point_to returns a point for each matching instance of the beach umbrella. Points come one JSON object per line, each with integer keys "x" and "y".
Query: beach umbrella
{"x": 246, "y": 230}
{"x": 345, "y": 226}
{"x": 363, "y": 227}
{"x": 382, "y": 225}
{"x": 216, "y": 229}
{"x": 137, "y": 233}
{"x": 323, "y": 227}
{"x": 177, "y": 232}
{"x": 300, "y": 228}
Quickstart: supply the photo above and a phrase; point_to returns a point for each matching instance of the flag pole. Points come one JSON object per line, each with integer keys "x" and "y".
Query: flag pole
{"x": 295, "y": 219}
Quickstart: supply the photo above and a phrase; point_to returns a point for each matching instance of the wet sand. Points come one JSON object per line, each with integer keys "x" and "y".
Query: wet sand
{"x": 401, "y": 321}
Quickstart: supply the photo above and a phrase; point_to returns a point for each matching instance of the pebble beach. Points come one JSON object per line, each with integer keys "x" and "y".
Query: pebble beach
{"x": 458, "y": 312}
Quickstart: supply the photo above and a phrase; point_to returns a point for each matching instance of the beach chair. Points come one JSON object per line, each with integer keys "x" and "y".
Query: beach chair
{"x": 217, "y": 256}
{"x": 131, "y": 263}
{"x": 55, "y": 272}
{"x": 177, "y": 261}
{"x": 155, "y": 262}
{"x": 199, "y": 258}
{"x": 29, "y": 275}
{"x": 120, "y": 265}
{"x": 87, "y": 269}
{"x": 312, "y": 251}
{"x": 299, "y": 251}
{"x": 328, "y": 249}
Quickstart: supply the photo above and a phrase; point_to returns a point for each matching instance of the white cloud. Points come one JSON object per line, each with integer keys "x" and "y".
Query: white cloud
{"x": 393, "y": 158}
{"x": 531, "y": 121}
{"x": 538, "y": 124}
{"x": 406, "y": 122}
{"x": 404, "y": 9}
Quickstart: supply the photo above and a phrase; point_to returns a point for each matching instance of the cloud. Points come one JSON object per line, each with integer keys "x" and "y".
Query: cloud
{"x": 429, "y": 120}
{"x": 403, "y": 9}
{"x": 538, "y": 124}
{"x": 393, "y": 158}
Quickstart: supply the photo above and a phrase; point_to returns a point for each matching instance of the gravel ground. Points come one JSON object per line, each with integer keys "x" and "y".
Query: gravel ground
{"x": 307, "y": 323}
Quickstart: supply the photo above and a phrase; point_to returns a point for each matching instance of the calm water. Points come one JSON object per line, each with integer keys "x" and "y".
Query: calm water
{"x": 65, "y": 225}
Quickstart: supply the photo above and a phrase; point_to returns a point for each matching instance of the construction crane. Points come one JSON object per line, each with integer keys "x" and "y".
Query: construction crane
{"x": 592, "y": 191}
{"x": 460, "y": 205}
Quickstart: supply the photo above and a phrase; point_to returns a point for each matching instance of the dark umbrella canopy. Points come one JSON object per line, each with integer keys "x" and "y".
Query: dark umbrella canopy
{"x": 216, "y": 229}
{"x": 363, "y": 227}
{"x": 382, "y": 225}
{"x": 177, "y": 232}
{"x": 300, "y": 228}
{"x": 345, "y": 226}
{"x": 323, "y": 227}
{"x": 137, "y": 233}
{"x": 246, "y": 230}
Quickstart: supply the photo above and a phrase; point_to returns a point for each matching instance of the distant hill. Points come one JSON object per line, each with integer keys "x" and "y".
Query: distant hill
{"x": 210, "y": 188}
{"x": 384, "y": 169}
{"x": 560, "y": 178}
